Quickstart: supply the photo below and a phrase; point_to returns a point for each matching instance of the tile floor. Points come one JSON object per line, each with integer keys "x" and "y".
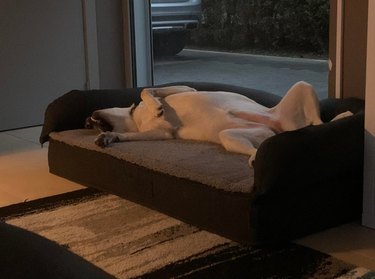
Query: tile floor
{"x": 24, "y": 176}
{"x": 24, "y": 170}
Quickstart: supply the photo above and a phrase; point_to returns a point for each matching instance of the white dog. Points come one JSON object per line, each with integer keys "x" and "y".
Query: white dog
{"x": 236, "y": 122}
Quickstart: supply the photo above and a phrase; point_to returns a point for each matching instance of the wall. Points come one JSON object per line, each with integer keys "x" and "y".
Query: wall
{"x": 41, "y": 57}
{"x": 353, "y": 73}
{"x": 110, "y": 43}
{"x": 369, "y": 170}
{"x": 43, "y": 53}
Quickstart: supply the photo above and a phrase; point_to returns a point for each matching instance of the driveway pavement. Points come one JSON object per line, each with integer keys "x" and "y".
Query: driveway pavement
{"x": 269, "y": 73}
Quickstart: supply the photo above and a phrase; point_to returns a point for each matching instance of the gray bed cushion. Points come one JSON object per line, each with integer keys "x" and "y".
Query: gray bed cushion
{"x": 202, "y": 162}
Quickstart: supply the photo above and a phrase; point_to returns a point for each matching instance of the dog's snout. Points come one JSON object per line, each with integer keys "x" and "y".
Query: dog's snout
{"x": 94, "y": 122}
{"x": 88, "y": 123}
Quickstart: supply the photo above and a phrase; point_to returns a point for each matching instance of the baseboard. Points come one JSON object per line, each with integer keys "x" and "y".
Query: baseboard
{"x": 368, "y": 220}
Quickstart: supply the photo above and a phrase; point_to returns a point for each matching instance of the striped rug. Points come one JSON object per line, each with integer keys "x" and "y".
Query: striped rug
{"x": 130, "y": 241}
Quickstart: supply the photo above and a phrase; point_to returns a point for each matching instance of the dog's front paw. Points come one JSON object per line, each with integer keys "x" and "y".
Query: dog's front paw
{"x": 105, "y": 139}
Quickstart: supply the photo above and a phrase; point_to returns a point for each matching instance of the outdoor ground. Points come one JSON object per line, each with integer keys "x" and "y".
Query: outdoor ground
{"x": 274, "y": 74}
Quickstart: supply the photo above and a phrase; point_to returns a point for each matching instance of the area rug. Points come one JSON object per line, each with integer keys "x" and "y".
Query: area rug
{"x": 130, "y": 241}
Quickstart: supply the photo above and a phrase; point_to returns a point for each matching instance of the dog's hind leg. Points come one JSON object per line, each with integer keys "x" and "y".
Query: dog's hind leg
{"x": 298, "y": 108}
{"x": 245, "y": 140}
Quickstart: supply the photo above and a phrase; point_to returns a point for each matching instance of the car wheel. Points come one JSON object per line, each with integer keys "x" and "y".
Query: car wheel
{"x": 169, "y": 44}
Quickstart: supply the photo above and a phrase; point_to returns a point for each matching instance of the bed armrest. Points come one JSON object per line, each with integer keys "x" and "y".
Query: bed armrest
{"x": 331, "y": 107}
{"x": 70, "y": 110}
{"x": 310, "y": 157}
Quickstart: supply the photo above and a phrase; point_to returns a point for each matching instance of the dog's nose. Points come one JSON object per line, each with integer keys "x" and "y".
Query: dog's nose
{"x": 88, "y": 123}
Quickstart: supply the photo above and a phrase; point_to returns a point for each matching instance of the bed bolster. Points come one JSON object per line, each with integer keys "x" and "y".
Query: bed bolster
{"x": 331, "y": 107}
{"x": 315, "y": 156}
{"x": 71, "y": 109}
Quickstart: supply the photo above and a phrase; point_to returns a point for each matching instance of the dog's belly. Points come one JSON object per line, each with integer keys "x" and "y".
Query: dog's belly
{"x": 203, "y": 115}
{"x": 202, "y": 103}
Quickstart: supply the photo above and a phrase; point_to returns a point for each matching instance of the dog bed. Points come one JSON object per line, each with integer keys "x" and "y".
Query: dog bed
{"x": 302, "y": 181}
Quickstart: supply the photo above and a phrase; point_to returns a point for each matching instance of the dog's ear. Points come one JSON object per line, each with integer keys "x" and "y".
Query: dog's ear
{"x": 132, "y": 108}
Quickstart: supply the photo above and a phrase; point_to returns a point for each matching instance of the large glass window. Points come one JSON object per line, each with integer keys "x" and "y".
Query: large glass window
{"x": 266, "y": 45}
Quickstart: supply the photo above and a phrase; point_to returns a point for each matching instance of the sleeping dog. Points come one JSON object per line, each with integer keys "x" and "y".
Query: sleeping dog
{"x": 236, "y": 122}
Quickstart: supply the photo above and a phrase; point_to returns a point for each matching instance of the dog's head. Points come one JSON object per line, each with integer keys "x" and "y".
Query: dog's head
{"x": 113, "y": 119}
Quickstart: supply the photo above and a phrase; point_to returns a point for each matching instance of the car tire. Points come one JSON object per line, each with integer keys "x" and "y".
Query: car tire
{"x": 169, "y": 44}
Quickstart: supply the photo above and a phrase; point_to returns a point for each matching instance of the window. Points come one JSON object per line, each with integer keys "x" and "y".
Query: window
{"x": 266, "y": 45}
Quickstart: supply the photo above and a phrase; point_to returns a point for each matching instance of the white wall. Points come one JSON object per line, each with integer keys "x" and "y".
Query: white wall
{"x": 369, "y": 168}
